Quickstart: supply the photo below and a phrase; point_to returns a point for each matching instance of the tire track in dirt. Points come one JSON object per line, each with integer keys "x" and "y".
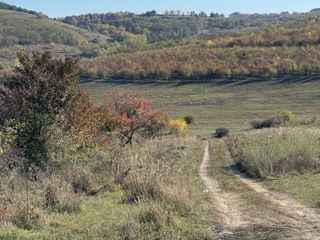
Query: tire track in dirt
{"x": 305, "y": 219}
{"x": 225, "y": 203}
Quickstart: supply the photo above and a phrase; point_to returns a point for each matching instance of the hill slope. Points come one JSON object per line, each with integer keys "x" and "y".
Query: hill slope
{"x": 176, "y": 25}
{"x": 274, "y": 51}
{"x": 20, "y": 30}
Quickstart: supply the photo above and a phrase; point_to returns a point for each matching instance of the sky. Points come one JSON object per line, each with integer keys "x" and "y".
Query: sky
{"x": 62, "y": 8}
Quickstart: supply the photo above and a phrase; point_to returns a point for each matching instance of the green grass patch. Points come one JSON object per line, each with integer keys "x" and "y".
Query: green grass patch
{"x": 303, "y": 187}
{"x": 229, "y": 103}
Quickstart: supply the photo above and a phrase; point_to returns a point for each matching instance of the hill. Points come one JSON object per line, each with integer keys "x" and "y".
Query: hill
{"x": 20, "y": 30}
{"x": 176, "y": 25}
{"x": 274, "y": 51}
{"x": 6, "y": 6}
{"x": 28, "y": 30}
{"x": 170, "y": 45}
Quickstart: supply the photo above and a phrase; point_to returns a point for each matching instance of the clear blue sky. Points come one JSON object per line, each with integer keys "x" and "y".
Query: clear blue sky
{"x": 61, "y": 8}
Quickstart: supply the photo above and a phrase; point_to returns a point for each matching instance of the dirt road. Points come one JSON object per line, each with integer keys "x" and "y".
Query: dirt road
{"x": 281, "y": 218}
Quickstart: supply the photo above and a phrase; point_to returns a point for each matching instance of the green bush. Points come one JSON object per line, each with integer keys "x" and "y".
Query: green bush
{"x": 286, "y": 116}
{"x": 268, "y": 123}
{"x": 33, "y": 98}
{"x": 189, "y": 119}
{"x": 221, "y": 132}
{"x": 26, "y": 216}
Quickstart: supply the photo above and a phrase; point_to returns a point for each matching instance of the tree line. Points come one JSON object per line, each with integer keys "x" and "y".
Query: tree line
{"x": 271, "y": 52}
{"x": 175, "y": 24}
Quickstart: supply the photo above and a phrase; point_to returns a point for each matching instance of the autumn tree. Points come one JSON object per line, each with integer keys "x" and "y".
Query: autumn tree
{"x": 126, "y": 113}
{"x": 39, "y": 91}
{"x": 82, "y": 120}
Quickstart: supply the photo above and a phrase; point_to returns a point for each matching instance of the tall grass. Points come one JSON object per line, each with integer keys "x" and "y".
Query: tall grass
{"x": 149, "y": 190}
{"x": 277, "y": 151}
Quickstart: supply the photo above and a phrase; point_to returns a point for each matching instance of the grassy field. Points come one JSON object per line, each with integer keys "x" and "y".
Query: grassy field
{"x": 248, "y": 203}
{"x": 303, "y": 187}
{"x": 162, "y": 198}
{"x": 226, "y": 102}
{"x": 284, "y": 159}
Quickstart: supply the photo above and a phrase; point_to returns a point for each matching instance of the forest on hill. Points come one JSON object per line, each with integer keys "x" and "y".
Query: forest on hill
{"x": 273, "y": 51}
{"x": 173, "y": 45}
{"x": 6, "y": 6}
{"x": 175, "y": 25}
{"x": 23, "y": 29}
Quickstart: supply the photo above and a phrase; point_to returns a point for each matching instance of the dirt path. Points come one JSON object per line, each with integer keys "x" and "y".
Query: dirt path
{"x": 224, "y": 203}
{"x": 307, "y": 220}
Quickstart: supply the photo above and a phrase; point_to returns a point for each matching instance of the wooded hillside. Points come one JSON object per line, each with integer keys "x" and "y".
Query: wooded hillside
{"x": 289, "y": 49}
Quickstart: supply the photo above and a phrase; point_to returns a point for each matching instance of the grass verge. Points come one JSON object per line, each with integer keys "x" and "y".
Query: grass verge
{"x": 276, "y": 152}
{"x": 162, "y": 198}
{"x": 259, "y": 213}
{"x": 286, "y": 159}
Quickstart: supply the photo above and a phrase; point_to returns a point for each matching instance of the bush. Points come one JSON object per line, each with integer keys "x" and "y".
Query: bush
{"x": 178, "y": 127}
{"x": 25, "y": 216}
{"x": 221, "y": 132}
{"x": 310, "y": 121}
{"x": 34, "y": 97}
{"x": 126, "y": 113}
{"x": 139, "y": 189}
{"x": 272, "y": 122}
{"x": 62, "y": 198}
{"x": 189, "y": 119}
{"x": 286, "y": 116}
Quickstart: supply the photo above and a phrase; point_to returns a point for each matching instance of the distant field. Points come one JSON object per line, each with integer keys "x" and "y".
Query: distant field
{"x": 226, "y": 102}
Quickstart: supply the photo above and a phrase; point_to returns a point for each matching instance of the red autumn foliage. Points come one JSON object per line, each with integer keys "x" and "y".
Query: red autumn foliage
{"x": 3, "y": 212}
{"x": 274, "y": 51}
{"x": 83, "y": 120}
{"x": 126, "y": 113}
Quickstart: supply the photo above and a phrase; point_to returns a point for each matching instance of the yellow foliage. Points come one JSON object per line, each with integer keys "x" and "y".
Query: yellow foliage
{"x": 178, "y": 127}
{"x": 85, "y": 43}
{"x": 17, "y": 63}
{"x": 1, "y": 149}
{"x": 117, "y": 188}
{"x": 286, "y": 116}
{"x": 309, "y": 34}
{"x": 209, "y": 42}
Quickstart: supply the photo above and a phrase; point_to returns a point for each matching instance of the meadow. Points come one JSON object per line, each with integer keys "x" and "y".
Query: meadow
{"x": 229, "y": 103}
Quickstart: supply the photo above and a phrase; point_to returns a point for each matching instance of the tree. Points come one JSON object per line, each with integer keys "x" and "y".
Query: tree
{"x": 151, "y": 13}
{"x": 74, "y": 21}
{"x": 126, "y": 113}
{"x": 82, "y": 120}
{"x": 39, "y": 91}
{"x": 202, "y": 14}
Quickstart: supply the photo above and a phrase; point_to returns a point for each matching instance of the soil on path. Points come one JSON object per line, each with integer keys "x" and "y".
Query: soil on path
{"x": 225, "y": 203}
{"x": 283, "y": 218}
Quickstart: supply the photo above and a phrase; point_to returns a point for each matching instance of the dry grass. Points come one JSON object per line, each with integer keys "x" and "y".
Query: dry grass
{"x": 277, "y": 151}
{"x": 88, "y": 197}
